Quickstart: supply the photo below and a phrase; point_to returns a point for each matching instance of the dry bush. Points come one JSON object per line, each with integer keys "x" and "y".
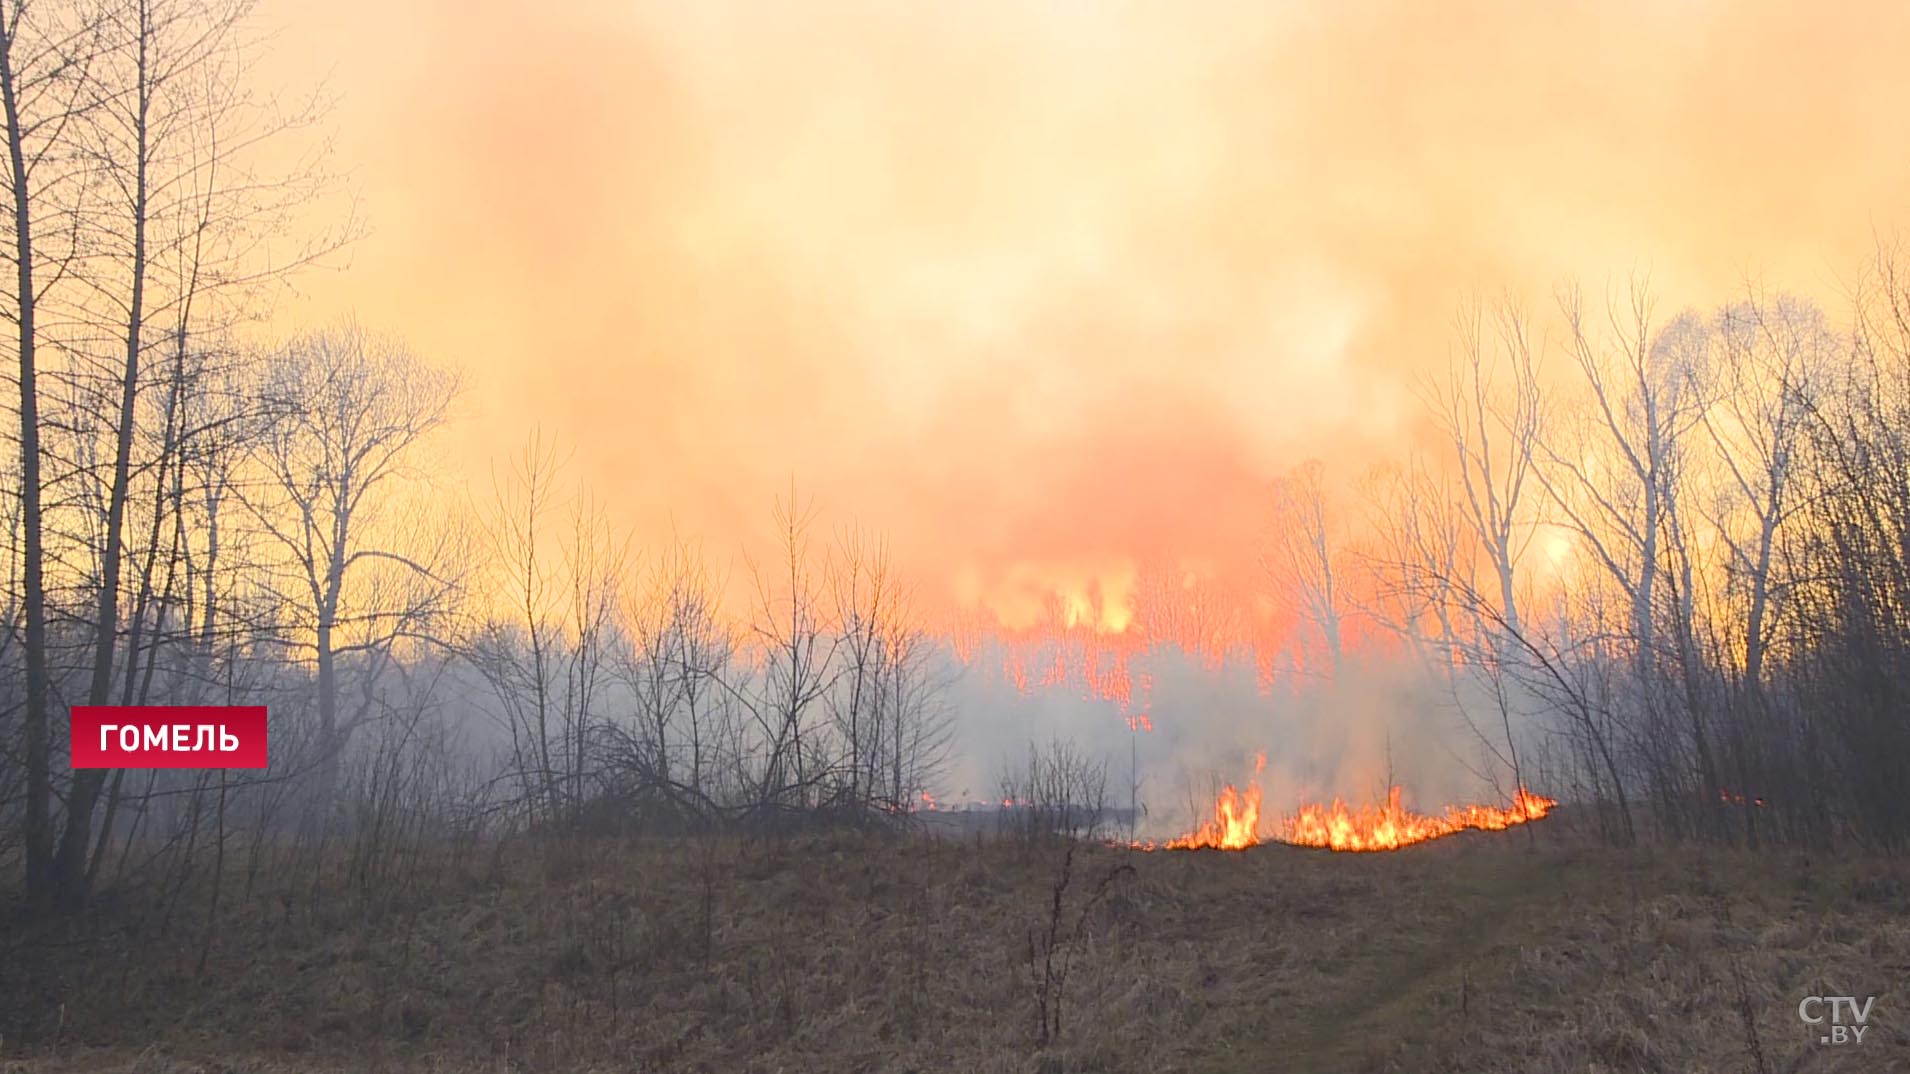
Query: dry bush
{"x": 1059, "y": 795}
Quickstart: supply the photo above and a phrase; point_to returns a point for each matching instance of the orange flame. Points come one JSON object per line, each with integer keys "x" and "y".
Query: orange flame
{"x": 1234, "y": 827}
{"x": 1393, "y": 826}
{"x": 1236, "y": 822}
{"x": 1389, "y": 827}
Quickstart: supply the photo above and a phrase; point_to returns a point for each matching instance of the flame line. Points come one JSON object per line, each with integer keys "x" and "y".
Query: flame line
{"x": 1235, "y": 823}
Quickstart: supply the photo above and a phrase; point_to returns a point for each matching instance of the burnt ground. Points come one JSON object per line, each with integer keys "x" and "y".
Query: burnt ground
{"x": 1514, "y": 951}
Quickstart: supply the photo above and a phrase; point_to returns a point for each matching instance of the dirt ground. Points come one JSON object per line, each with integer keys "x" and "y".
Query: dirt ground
{"x": 1509, "y": 951}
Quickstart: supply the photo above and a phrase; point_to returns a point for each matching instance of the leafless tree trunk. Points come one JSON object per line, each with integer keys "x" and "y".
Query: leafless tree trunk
{"x": 1305, "y": 554}
{"x": 1773, "y": 355}
{"x": 675, "y": 673}
{"x": 45, "y": 53}
{"x": 168, "y": 136}
{"x": 1489, "y": 408}
{"x": 1610, "y": 482}
{"x": 799, "y": 667}
{"x": 69, "y": 864}
{"x": 352, "y": 411}
{"x": 549, "y": 663}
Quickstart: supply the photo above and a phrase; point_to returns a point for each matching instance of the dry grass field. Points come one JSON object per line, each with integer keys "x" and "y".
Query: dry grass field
{"x": 1479, "y": 953}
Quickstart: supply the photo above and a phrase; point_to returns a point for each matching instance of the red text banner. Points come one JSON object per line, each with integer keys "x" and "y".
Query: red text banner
{"x": 168, "y": 736}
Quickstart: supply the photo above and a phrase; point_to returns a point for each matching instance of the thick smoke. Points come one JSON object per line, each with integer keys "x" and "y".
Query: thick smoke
{"x": 1019, "y": 284}
{"x": 1035, "y": 289}
{"x": 1381, "y": 722}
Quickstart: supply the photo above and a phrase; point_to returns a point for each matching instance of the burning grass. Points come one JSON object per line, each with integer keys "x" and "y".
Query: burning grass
{"x": 1235, "y": 824}
{"x": 1391, "y": 826}
{"x": 1476, "y": 953}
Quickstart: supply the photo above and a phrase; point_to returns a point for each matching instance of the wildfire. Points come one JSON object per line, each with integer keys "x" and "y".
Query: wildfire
{"x": 1393, "y": 826}
{"x": 1235, "y": 824}
{"x": 1236, "y": 821}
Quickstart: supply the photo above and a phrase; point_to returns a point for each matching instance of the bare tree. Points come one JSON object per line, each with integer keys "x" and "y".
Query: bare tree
{"x": 1187, "y": 609}
{"x": 869, "y": 602}
{"x": 1610, "y": 480}
{"x": 1306, "y": 554}
{"x": 45, "y": 50}
{"x": 911, "y": 712}
{"x": 352, "y": 412}
{"x": 1773, "y": 357}
{"x": 1849, "y": 658}
{"x": 1416, "y": 554}
{"x": 1058, "y": 794}
{"x": 1619, "y": 484}
{"x": 546, "y": 652}
{"x": 798, "y": 667}
{"x": 1489, "y": 409}
{"x": 165, "y": 141}
{"x": 671, "y": 759}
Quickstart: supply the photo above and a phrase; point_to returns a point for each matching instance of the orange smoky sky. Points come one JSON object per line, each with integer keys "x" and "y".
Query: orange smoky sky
{"x": 1046, "y": 289}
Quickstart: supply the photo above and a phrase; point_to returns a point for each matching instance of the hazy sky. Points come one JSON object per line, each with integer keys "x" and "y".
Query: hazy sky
{"x": 1042, "y": 288}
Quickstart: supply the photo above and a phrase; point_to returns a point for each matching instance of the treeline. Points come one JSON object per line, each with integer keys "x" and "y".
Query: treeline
{"x": 1662, "y": 562}
{"x": 195, "y": 518}
{"x": 442, "y": 672}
